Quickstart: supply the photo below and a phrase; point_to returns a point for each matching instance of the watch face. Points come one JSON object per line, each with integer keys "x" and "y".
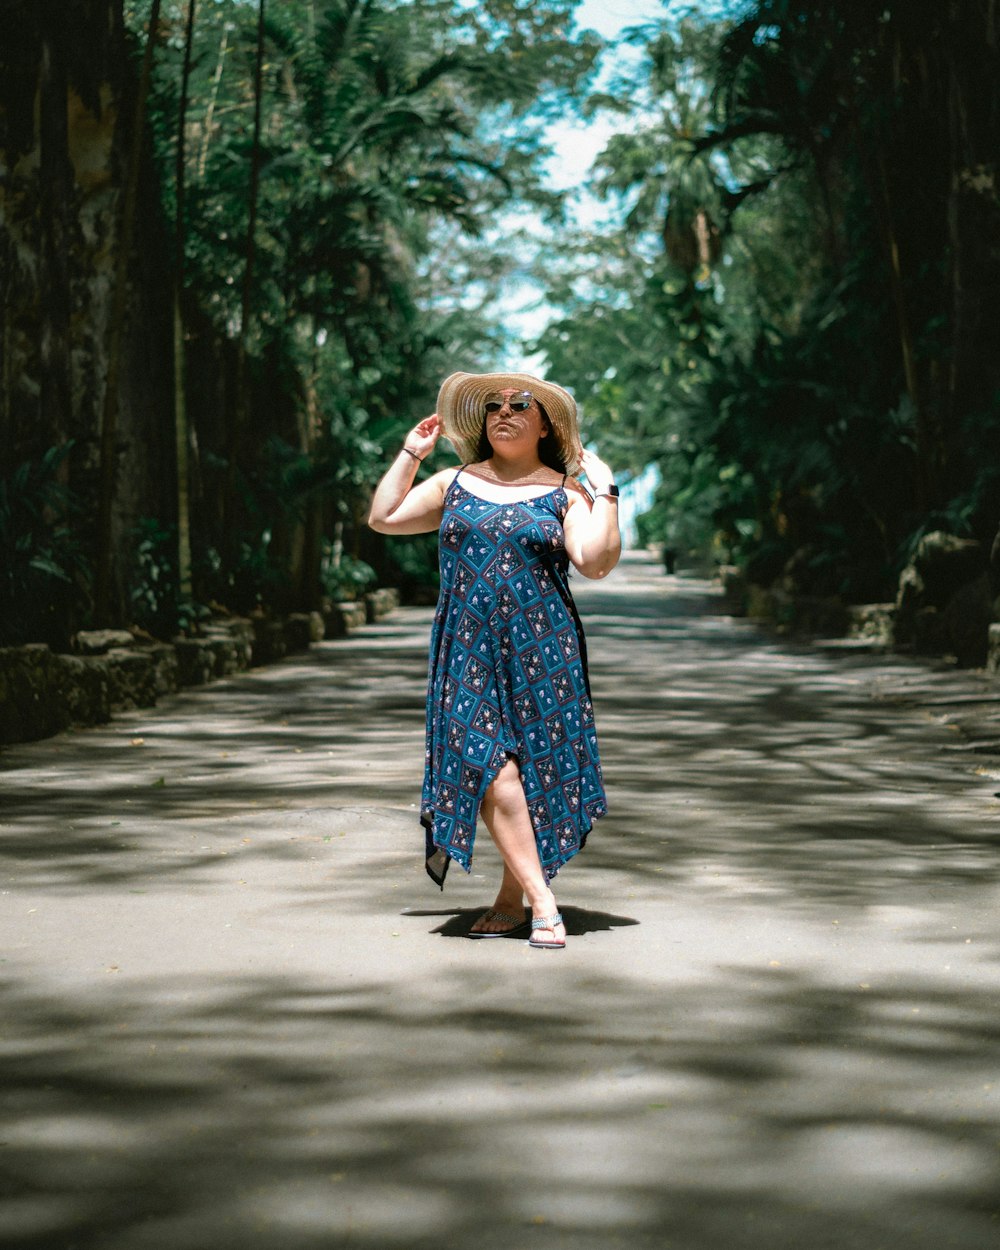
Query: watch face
{"x": 613, "y": 490}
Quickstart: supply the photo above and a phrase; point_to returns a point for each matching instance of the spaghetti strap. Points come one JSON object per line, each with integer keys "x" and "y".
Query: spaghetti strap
{"x": 563, "y": 482}
{"x": 454, "y": 482}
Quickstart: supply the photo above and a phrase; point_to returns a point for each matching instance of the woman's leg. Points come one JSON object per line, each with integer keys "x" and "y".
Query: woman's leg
{"x": 508, "y": 903}
{"x": 505, "y": 813}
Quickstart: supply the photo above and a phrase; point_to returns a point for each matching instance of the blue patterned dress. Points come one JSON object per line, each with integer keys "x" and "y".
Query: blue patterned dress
{"x": 508, "y": 679}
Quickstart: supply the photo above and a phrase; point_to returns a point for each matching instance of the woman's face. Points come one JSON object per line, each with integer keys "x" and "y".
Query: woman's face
{"x": 518, "y": 418}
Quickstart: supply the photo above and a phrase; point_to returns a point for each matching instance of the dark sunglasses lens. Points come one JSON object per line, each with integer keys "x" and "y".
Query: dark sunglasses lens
{"x": 516, "y": 403}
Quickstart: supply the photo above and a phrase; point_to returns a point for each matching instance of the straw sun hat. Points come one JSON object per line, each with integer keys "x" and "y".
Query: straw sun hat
{"x": 461, "y": 407}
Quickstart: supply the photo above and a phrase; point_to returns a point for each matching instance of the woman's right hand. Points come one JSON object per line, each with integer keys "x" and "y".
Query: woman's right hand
{"x": 399, "y": 506}
{"x": 422, "y": 438}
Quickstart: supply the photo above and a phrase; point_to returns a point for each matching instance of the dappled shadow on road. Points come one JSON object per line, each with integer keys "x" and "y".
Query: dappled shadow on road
{"x": 773, "y": 1028}
{"x": 340, "y": 727}
{"x": 792, "y": 769}
{"x": 752, "y": 1111}
{"x": 783, "y": 769}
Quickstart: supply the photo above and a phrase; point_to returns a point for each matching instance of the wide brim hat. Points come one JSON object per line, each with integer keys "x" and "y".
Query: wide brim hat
{"x": 461, "y": 405}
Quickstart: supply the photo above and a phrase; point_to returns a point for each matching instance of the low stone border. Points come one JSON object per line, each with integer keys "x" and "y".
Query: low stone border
{"x": 947, "y": 604}
{"x": 993, "y": 650}
{"x": 43, "y": 693}
{"x": 873, "y": 624}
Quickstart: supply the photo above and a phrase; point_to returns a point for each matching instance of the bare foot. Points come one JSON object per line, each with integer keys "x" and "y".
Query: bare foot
{"x": 506, "y": 915}
{"x": 552, "y": 934}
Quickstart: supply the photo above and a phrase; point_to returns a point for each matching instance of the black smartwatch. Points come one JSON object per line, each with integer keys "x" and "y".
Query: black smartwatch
{"x": 612, "y": 492}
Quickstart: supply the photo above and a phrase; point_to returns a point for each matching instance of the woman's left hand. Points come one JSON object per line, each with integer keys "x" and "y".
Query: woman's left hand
{"x": 598, "y": 474}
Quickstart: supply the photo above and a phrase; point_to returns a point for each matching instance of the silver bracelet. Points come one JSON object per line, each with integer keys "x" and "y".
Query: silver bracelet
{"x": 420, "y": 459}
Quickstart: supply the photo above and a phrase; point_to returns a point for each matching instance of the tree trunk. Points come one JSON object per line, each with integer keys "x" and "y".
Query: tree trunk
{"x": 310, "y": 423}
{"x": 240, "y": 418}
{"x": 212, "y": 99}
{"x": 56, "y": 197}
{"x": 184, "y": 584}
{"x": 248, "y": 273}
{"x": 973, "y": 218}
{"x": 109, "y": 424}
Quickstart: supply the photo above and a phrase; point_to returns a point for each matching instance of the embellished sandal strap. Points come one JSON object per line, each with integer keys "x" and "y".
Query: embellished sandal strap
{"x": 503, "y": 916}
{"x": 546, "y": 922}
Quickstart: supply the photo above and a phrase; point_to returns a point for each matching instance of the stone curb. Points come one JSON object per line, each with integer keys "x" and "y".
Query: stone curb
{"x": 867, "y": 624}
{"x": 43, "y": 692}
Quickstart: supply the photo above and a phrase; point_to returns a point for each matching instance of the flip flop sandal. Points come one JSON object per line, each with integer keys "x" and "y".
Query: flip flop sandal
{"x": 546, "y": 922}
{"x": 517, "y": 925}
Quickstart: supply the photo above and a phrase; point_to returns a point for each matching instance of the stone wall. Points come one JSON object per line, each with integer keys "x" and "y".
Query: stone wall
{"x": 947, "y": 604}
{"x": 43, "y": 692}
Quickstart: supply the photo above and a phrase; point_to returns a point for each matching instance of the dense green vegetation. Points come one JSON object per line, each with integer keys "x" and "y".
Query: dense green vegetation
{"x": 310, "y": 211}
{"x": 794, "y": 316}
{"x": 798, "y": 319}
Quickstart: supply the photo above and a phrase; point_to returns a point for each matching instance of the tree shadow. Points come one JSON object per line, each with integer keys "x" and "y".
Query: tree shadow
{"x": 825, "y": 774}
{"x": 601, "y": 1098}
{"x": 821, "y": 774}
{"x": 757, "y": 1110}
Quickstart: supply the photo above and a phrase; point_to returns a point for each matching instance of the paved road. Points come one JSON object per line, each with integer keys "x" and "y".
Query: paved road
{"x": 237, "y": 1016}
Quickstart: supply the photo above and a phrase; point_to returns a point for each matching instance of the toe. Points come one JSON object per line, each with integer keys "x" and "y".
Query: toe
{"x": 551, "y": 936}
{"x": 495, "y": 921}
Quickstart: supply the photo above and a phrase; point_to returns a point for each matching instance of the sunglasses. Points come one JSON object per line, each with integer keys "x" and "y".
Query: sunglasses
{"x": 516, "y": 403}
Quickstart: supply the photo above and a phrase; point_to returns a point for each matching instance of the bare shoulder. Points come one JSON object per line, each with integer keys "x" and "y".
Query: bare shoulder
{"x": 443, "y": 478}
{"x": 576, "y": 493}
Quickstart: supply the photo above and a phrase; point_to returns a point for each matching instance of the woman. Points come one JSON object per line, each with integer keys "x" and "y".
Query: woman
{"x": 510, "y": 730}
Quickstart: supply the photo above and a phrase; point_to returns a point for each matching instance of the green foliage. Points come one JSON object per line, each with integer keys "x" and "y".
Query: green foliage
{"x": 153, "y": 594}
{"x": 390, "y": 135}
{"x": 412, "y": 565}
{"x": 241, "y": 579}
{"x": 245, "y": 571}
{"x": 774, "y": 320}
{"x": 790, "y": 319}
{"x": 344, "y": 577}
{"x": 44, "y": 574}
{"x": 381, "y": 120}
{"x": 155, "y": 601}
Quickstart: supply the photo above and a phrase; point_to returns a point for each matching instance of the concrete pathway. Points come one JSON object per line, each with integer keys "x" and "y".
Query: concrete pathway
{"x": 237, "y": 1015}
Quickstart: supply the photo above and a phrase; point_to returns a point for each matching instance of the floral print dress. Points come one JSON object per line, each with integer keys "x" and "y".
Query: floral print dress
{"x": 507, "y": 680}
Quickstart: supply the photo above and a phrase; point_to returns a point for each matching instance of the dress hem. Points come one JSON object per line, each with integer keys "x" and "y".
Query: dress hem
{"x": 439, "y": 855}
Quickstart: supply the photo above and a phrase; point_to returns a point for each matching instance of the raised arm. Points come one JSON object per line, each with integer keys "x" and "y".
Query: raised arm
{"x": 399, "y": 507}
{"x": 593, "y": 541}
